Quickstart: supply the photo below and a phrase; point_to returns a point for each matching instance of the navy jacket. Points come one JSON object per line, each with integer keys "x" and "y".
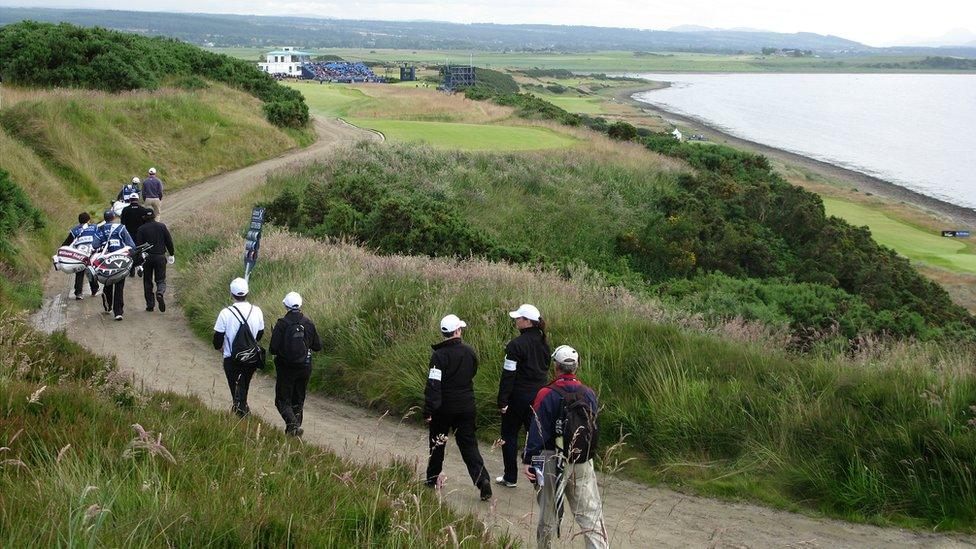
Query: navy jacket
{"x": 116, "y": 236}
{"x": 547, "y": 409}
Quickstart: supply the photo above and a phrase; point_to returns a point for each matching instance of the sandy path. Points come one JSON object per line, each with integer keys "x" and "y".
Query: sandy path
{"x": 163, "y": 354}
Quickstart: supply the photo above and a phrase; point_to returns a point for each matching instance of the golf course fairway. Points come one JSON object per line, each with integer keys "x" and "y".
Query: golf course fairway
{"x": 469, "y": 137}
{"x": 910, "y": 241}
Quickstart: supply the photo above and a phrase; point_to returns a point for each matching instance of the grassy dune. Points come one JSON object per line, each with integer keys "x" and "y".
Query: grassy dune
{"x": 71, "y": 150}
{"x": 884, "y": 436}
{"x": 89, "y": 461}
{"x": 469, "y": 137}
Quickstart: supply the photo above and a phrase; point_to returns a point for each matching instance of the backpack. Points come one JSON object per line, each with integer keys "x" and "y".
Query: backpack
{"x": 576, "y": 428}
{"x": 294, "y": 349}
{"x": 244, "y": 349}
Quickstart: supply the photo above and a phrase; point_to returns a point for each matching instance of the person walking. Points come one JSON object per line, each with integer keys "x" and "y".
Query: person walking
{"x": 152, "y": 192}
{"x": 129, "y": 188}
{"x": 524, "y": 372}
{"x": 237, "y": 331}
{"x": 113, "y": 236}
{"x": 559, "y": 454}
{"x": 83, "y": 235}
{"x": 293, "y": 340}
{"x": 132, "y": 218}
{"x": 449, "y": 405}
{"x": 154, "y": 267}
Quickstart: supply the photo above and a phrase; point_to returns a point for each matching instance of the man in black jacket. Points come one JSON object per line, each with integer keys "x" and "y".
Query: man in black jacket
{"x": 449, "y": 404}
{"x": 132, "y": 217}
{"x": 524, "y": 372}
{"x": 292, "y": 341}
{"x": 154, "y": 267}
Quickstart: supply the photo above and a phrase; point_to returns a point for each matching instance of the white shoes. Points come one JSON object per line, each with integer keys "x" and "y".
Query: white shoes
{"x": 118, "y": 317}
{"x": 505, "y": 483}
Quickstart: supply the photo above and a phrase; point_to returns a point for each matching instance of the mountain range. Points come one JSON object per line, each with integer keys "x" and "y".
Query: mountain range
{"x": 306, "y": 31}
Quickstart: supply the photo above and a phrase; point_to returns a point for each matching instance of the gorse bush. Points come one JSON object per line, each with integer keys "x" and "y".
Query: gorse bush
{"x": 664, "y": 234}
{"x": 739, "y": 217}
{"x": 16, "y": 213}
{"x": 42, "y": 54}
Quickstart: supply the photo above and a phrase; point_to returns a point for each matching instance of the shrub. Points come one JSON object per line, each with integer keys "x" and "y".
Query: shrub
{"x": 42, "y": 54}
{"x": 16, "y": 212}
{"x": 622, "y": 131}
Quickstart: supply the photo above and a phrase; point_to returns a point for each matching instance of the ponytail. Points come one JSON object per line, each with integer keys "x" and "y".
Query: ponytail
{"x": 541, "y": 325}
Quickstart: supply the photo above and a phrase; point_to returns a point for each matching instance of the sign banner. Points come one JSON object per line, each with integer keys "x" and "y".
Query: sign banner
{"x": 955, "y": 234}
{"x": 253, "y": 240}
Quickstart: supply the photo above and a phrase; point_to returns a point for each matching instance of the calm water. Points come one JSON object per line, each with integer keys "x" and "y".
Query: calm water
{"x": 918, "y": 131}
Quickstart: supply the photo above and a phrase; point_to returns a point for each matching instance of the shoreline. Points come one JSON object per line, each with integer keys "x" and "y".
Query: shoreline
{"x": 965, "y": 217}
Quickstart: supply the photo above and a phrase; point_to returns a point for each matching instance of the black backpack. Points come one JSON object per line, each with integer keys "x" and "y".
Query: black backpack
{"x": 576, "y": 428}
{"x": 294, "y": 347}
{"x": 244, "y": 349}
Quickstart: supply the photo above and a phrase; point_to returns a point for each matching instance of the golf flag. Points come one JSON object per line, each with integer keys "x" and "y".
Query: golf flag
{"x": 253, "y": 240}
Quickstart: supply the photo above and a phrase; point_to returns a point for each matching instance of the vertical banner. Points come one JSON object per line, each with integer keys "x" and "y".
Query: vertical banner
{"x": 253, "y": 240}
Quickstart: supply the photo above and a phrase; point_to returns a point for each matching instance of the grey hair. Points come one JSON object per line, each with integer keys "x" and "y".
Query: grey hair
{"x": 567, "y": 368}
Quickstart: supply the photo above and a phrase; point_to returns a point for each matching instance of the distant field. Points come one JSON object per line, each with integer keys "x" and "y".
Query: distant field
{"x": 445, "y": 122}
{"x": 604, "y": 61}
{"x": 579, "y": 104}
{"x": 912, "y": 242}
{"x": 469, "y": 137}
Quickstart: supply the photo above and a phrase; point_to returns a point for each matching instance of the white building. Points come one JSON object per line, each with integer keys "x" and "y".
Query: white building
{"x": 286, "y": 61}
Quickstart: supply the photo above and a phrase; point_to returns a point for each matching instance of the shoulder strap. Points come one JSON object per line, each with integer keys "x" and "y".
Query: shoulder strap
{"x": 237, "y": 314}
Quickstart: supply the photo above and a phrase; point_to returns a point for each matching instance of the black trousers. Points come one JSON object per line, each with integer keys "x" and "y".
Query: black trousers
{"x": 80, "y": 279}
{"x": 114, "y": 294}
{"x": 153, "y": 271}
{"x": 239, "y": 381}
{"x": 290, "y": 388}
{"x": 516, "y": 419}
{"x": 463, "y": 425}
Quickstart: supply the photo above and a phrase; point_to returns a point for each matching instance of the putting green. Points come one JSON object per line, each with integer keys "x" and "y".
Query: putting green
{"x": 330, "y": 99}
{"x": 912, "y": 242}
{"x": 469, "y": 137}
{"x": 577, "y": 104}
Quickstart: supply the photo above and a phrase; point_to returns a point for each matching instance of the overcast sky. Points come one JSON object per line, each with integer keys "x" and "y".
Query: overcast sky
{"x": 875, "y": 22}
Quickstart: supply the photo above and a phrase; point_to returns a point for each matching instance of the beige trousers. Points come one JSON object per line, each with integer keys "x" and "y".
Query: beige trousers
{"x": 578, "y": 484}
{"x": 156, "y": 204}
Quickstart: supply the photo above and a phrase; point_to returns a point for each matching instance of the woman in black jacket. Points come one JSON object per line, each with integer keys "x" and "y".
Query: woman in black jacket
{"x": 524, "y": 372}
{"x": 449, "y": 404}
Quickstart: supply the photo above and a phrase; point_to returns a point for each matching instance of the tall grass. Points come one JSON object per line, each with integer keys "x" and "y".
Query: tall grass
{"x": 87, "y": 460}
{"x": 886, "y": 435}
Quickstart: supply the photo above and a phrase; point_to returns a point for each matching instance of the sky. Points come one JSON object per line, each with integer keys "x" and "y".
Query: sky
{"x": 874, "y": 22}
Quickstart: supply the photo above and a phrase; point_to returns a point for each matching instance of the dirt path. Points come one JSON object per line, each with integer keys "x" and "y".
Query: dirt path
{"x": 163, "y": 354}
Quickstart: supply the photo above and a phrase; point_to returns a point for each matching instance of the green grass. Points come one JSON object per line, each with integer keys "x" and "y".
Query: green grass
{"x": 884, "y": 437}
{"x": 581, "y": 104}
{"x": 469, "y": 137}
{"x": 345, "y": 101}
{"x": 331, "y": 99}
{"x": 77, "y": 469}
{"x": 912, "y": 242}
{"x": 605, "y": 61}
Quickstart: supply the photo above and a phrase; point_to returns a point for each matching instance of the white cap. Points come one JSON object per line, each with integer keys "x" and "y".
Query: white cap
{"x": 130, "y": 196}
{"x": 238, "y": 287}
{"x": 451, "y": 323}
{"x": 566, "y": 355}
{"x": 292, "y": 300}
{"x": 135, "y": 180}
{"x": 526, "y": 311}
{"x": 152, "y": 171}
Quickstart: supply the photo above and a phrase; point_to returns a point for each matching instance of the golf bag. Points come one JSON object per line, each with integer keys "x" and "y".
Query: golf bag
{"x": 111, "y": 267}
{"x": 70, "y": 259}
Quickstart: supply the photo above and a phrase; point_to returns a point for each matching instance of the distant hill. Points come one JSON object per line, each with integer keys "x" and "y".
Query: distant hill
{"x": 238, "y": 30}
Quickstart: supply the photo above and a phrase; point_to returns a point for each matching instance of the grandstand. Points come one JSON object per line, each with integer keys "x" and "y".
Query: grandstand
{"x": 457, "y": 77}
{"x": 339, "y": 71}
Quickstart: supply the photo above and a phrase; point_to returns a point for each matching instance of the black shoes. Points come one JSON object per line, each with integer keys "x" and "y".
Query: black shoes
{"x": 150, "y": 309}
{"x": 162, "y": 304}
{"x": 294, "y": 431}
{"x": 485, "y": 488}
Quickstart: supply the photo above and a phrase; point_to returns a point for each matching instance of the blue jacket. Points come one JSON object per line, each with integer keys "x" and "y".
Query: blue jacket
{"x": 547, "y": 409}
{"x": 152, "y": 187}
{"x": 83, "y": 233}
{"x": 128, "y": 189}
{"x": 116, "y": 236}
